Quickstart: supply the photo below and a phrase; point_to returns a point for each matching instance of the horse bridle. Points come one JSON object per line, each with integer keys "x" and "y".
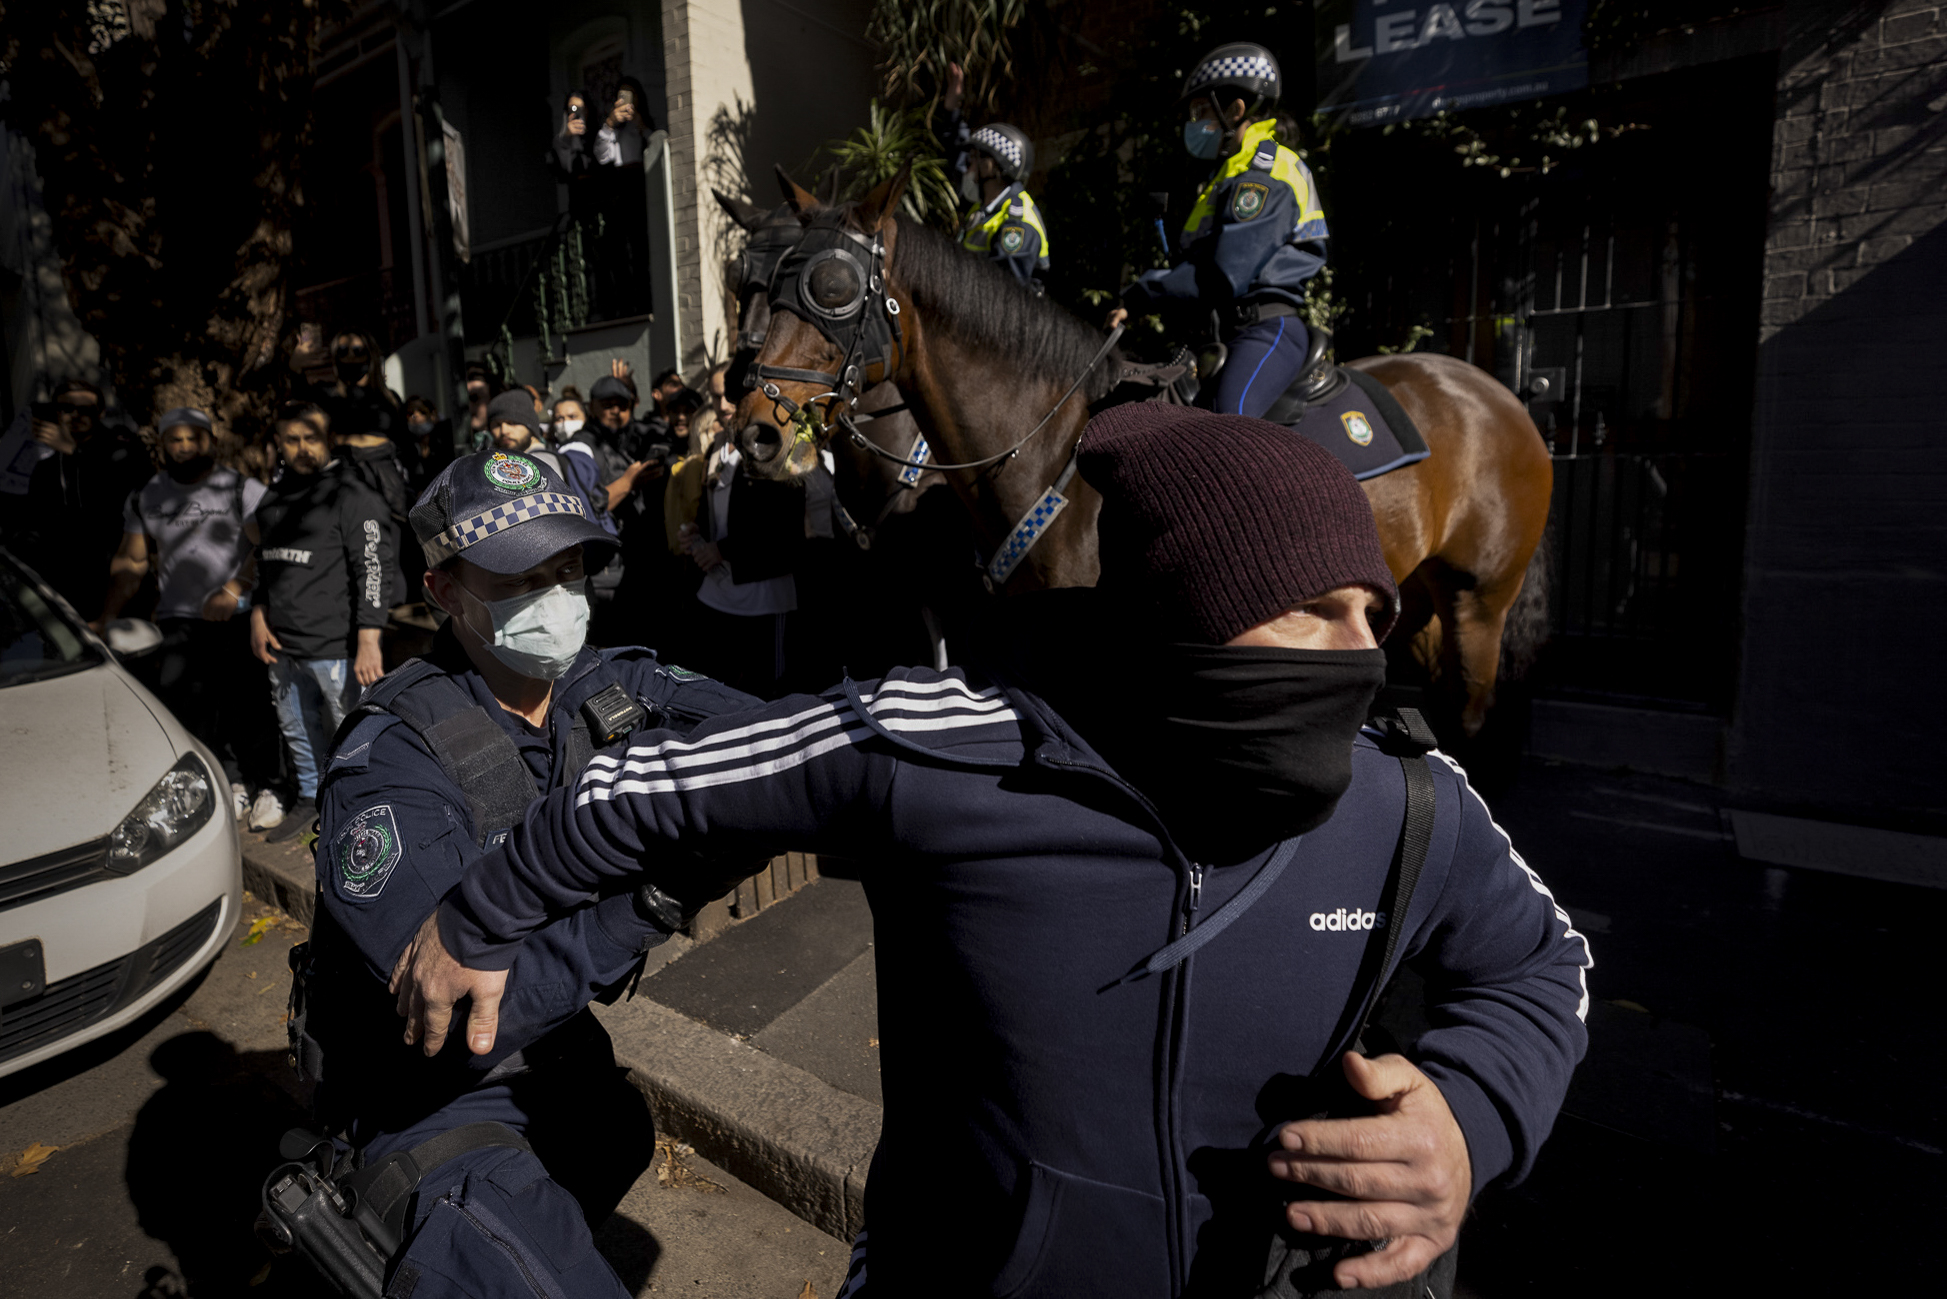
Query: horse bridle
{"x": 826, "y": 286}
{"x": 823, "y": 283}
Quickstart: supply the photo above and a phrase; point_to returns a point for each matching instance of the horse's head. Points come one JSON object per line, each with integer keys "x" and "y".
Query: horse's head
{"x": 833, "y": 331}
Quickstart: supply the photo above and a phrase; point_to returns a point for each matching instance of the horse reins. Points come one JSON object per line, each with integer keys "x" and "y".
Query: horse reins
{"x": 869, "y": 318}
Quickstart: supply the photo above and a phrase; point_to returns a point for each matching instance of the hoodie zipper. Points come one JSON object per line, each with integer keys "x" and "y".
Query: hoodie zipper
{"x": 1176, "y": 984}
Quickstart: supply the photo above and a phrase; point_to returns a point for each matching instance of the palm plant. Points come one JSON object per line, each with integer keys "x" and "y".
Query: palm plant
{"x": 889, "y": 140}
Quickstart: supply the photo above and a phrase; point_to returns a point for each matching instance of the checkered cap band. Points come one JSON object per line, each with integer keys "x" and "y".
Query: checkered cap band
{"x": 1241, "y": 67}
{"x": 997, "y": 144}
{"x": 469, "y": 532}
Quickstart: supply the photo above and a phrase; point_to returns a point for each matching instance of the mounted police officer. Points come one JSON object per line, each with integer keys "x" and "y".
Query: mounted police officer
{"x": 991, "y": 166}
{"x": 1255, "y": 236}
{"x": 540, "y": 1139}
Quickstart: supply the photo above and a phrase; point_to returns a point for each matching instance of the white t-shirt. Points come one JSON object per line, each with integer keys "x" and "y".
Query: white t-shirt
{"x": 720, "y": 590}
{"x": 198, "y": 532}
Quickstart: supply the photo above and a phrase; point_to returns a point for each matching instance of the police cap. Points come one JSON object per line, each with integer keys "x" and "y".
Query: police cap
{"x": 506, "y": 512}
{"x": 1250, "y": 70}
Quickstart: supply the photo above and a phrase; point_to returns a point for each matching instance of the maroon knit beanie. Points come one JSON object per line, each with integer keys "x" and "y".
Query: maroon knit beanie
{"x": 1216, "y": 523}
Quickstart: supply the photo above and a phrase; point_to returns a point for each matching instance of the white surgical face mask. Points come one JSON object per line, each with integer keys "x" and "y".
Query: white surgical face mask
{"x": 969, "y": 187}
{"x": 539, "y": 634}
{"x": 566, "y": 428}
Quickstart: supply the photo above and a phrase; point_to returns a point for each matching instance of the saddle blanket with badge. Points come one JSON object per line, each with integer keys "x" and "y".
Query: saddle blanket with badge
{"x": 1363, "y": 426}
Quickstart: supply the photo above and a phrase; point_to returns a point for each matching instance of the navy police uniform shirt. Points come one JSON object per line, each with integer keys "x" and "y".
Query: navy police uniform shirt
{"x": 1256, "y": 233}
{"x": 396, "y": 833}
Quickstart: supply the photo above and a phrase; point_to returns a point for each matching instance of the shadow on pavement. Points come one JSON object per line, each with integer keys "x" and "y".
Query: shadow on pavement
{"x": 197, "y": 1158}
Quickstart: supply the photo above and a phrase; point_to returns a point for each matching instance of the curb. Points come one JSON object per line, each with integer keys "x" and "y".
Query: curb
{"x": 786, "y": 1132}
{"x": 281, "y": 874}
{"x": 789, "y": 1134}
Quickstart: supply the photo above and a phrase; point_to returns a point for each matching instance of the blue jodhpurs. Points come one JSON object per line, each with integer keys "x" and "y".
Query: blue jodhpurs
{"x": 1264, "y": 360}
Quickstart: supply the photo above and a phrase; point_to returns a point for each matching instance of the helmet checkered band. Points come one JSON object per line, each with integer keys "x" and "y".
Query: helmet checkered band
{"x": 1239, "y": 67}
{"x": 470, "y": 532}
{"x": 997, "y": 144}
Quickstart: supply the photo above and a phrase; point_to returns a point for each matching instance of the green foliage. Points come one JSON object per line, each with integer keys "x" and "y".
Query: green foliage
{"x": 1415, "y": 335}
{"x": 1478, "y": 141}
{"x": 170, "y": 141}
{"x": 917, "y": 39}
{"x": 876, "y": 151}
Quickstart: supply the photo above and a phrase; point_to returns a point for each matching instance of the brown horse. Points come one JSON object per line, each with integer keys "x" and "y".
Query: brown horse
{"x": 983, "y": 361}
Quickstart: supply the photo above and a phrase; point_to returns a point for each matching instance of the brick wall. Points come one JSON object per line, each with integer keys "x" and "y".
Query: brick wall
{"x": 1846, "y": 550}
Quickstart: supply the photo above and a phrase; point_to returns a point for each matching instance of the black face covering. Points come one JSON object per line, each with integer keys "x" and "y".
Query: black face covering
{"x": 352, "y": 371}
{"x": 189, "y": 471}
{"x": 1240, "y": 747}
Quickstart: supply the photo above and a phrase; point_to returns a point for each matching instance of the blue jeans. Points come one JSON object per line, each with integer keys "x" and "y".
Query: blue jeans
{"x": 1264, "y": 359}
{"x": 312, "y": 697}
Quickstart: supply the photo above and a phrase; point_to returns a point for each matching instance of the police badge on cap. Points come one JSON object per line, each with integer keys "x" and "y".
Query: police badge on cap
{"x": 506, "y": 512}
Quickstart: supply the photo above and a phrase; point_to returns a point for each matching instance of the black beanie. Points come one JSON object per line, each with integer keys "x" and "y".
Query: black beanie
{"x": 515, "y": 406}
{"x": 1216, "y": 523}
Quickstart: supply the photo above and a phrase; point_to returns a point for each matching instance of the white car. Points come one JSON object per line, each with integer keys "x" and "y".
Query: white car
{"x": 120, "y": 873}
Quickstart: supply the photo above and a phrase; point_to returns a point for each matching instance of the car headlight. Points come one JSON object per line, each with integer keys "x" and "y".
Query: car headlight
{"x": 176, "y": 808}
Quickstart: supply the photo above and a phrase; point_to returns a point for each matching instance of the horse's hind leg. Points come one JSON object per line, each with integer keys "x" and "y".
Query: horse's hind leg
{"x": 1472, "y": 651}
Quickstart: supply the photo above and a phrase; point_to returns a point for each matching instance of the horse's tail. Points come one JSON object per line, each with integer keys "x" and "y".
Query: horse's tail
{"x": 1527, "y": 625}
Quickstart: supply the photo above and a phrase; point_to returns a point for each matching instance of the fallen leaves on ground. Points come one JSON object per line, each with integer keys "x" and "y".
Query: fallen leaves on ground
{"x": 32, "y": 1158}
{"x": 257, "y": 929}
{"x": 674, "y": 1172}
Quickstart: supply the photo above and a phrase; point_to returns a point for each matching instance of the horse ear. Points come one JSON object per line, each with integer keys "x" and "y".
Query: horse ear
{"x": 801, "y": 199}
{"x": 875, "y": 207}
{"x": 747, "y": 215}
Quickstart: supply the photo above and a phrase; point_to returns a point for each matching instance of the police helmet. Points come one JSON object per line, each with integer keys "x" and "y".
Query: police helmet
{"x": 1008, "y": 146}
{"x": 1249, "y": 70}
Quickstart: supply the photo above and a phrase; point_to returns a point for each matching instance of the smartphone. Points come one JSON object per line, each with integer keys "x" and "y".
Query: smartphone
{"x": 574, "y": 112}
{"x": 45, "y": 412}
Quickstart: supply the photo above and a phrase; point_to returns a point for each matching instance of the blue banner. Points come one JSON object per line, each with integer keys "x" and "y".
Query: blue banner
{"x": 1390, "y": 60}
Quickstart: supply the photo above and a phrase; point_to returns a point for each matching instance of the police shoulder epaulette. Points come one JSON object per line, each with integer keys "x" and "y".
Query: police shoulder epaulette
{"x": 1019, "y": 205}
{"x": 355, "y": 754}
{"x": 1266, "y": 156}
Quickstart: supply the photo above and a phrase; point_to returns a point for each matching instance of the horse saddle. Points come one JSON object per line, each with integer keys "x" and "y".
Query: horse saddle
{"x": 1346, "y": 411}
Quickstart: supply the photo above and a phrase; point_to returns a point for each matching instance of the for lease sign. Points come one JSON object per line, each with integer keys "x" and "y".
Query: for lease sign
{"x": 1390, "y": 60}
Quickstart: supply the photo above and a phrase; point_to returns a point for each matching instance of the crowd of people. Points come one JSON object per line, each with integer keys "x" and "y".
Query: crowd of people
{"x": 294, "y": 548}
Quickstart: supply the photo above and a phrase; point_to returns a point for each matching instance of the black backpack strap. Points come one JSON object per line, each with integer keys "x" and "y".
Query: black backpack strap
{"x": 386, "y": 1186}
{"x": 1405, "y": 735}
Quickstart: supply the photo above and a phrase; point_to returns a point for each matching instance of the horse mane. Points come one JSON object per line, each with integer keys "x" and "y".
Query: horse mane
{"x": 983, "y": 305}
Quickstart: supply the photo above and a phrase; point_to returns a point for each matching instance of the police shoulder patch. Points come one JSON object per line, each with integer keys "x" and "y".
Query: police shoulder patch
{"x": 1012, "y": 239}
{"x": 1248, "y": 200}
{"x": 368, "y": 849}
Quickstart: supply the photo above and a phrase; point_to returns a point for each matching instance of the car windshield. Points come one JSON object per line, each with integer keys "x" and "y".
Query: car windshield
{"x": 37, "y": 640}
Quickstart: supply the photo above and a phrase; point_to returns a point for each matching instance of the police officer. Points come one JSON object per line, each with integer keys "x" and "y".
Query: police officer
{"x": 990, "y": 166}
{"x": 545, "y": 1135}
{"x": 1255, "y": 236}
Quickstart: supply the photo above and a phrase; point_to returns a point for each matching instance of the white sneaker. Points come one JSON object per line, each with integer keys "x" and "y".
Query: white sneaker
{"x": 239, "y": 801}
{"x": 267, "y": 812}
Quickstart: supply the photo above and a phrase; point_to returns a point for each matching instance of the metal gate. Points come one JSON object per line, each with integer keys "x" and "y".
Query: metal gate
{"x": 1620, "y": 302}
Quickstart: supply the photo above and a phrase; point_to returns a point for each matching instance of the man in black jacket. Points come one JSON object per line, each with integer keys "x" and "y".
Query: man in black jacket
{"x": 70, "y": 522}
{"x": 324, "y": 572}
{"x": 631, "y": 459}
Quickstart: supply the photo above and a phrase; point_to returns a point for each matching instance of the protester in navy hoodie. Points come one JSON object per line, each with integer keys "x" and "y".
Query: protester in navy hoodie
{"x": 1070, "y": 1108}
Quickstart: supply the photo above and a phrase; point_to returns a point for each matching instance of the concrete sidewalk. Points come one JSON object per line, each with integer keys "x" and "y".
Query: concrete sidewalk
{"x": 758, "y": 1048}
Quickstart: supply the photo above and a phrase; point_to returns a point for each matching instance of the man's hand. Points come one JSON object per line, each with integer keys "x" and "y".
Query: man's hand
{"x": 1116, "y": 316}
{"x": 430, "y": 985}
{"x": 705, "y": 553}
{"x": 369, "y": 664}
{"x": 956, "y": 86}
{"x": 262, "y": 639}
{"x": 1405, "y": 1171}
{"x": 221, "y": 604}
